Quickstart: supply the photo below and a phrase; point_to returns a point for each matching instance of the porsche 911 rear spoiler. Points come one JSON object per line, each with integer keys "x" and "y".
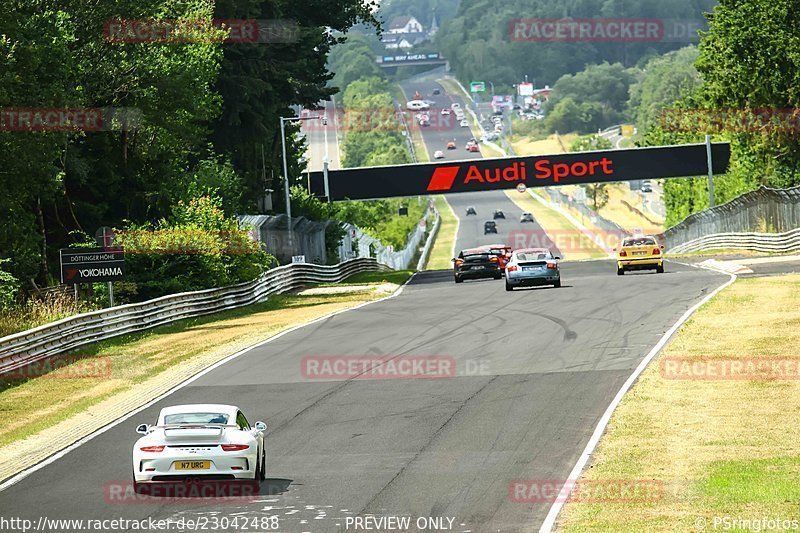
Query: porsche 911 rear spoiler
{"x": 194, "y": 432}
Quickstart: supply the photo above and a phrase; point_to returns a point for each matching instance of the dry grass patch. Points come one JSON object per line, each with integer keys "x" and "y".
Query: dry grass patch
{"x": 550, "y": 145}
{"x": 721, "y": 447}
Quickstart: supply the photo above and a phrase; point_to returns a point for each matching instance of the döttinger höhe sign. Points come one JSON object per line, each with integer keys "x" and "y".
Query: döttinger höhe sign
{"x": 88, "y": 265}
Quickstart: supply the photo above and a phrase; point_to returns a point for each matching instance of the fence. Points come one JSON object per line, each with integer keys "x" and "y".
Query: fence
{"x": 759, "y": 242}
{"x": 307, "y": 237}
{"x": 29, "y": 346}
{"x": 762, "y": 210}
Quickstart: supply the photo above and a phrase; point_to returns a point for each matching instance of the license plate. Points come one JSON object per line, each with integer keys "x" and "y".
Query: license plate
{"x": 526, "y": 269}
{"x": 192, "y": 465}
{"x": 477, "y": 268}
{"x": 639, "y": 253}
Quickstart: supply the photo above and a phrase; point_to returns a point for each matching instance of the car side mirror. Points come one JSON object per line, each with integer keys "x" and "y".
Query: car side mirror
{"x": 662, "y": 246}
{"x": 557, "y": 257}
{"x": 613, "y": 249}
{"x": 453, "y": 260}
{"x": 143, "y": 429}
{"x": 260, "y": 426}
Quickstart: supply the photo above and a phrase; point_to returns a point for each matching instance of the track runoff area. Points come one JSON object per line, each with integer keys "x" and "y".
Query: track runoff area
{"x": 522, "y": 172}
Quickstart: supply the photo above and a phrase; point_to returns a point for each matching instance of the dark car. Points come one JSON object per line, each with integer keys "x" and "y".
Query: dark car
{"x": 499, "y": 214}
{"x": 471, "y": 211}
{"x": 527, "y": 217}
{"x": 436, "y": 91}
{"x": 476, "y": 264}
{"x": 490, "y": 226}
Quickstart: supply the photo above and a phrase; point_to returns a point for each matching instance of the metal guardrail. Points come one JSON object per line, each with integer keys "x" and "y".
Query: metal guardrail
{"x": 758, "y": 242}
{"x": 29, "y": 346}
{"x": 764, "y": 209}
{"x": 426, "y": 251}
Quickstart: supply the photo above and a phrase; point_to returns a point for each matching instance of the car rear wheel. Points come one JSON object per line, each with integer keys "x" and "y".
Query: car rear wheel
{"x": 557, "y": 284}
{"x": 660, "y": 269}
{"x": 509, "y": 287}
{"x": 459, "y": 280}
{"x": 620, "y": 271}
{"x": 263, "y": 475}
{"x": 498, "y": 276}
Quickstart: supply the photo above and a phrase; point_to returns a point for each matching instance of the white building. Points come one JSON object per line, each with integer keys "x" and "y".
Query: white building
{"x": 405, "y": 25}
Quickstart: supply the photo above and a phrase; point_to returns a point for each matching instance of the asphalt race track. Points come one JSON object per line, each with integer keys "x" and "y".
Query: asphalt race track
{"x": 533, "y": 372}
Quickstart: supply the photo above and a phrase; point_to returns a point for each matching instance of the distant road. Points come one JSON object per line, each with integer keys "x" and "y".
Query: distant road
{"x": 320, "y": 136}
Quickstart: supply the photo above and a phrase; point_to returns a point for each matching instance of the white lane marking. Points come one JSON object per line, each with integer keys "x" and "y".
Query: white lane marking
{"x": 555, "y": 509}
{"x": 77, "y": 444}
{"x": 726, "y": 266}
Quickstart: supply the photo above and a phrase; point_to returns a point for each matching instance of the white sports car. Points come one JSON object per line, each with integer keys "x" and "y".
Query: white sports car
{"x": 199, "y": 441}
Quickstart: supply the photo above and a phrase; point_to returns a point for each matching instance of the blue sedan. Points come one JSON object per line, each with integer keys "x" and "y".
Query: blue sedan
{"x": 529, "y": 267}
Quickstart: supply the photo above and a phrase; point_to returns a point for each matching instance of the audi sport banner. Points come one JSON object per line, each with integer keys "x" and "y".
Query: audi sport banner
{"x": 510, "y": 172}
{"x": 87, "y": 265}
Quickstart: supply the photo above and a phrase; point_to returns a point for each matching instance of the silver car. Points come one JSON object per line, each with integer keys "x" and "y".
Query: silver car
{"x": 529, "y": 267}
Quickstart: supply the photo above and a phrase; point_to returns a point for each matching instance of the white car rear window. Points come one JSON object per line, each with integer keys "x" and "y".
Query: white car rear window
{"x": 196, "y": 418}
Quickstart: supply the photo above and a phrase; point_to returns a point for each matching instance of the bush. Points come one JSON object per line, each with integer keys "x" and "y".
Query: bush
{"x": 9, "y": 288}
{"x": 199, "y": 248}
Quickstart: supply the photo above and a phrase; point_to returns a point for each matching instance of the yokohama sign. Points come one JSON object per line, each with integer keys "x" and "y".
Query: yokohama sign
{"x": 507, "y": 173}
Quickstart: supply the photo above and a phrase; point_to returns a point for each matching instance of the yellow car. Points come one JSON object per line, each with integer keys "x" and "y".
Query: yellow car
{"x": 640, "y": 253}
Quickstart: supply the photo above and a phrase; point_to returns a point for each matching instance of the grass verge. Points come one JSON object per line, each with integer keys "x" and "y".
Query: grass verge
{"x": 49, "y": 412}
{"x": 442, "y": 249}
{"x": 550, "y": 145}
{"x": 718, "y": 447}
{"x": 569, "y": 239}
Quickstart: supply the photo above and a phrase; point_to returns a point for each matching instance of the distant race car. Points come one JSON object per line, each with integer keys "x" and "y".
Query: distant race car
{"x": 527, "y": 217}
{"x": 498, "y": 214}
{"x": 532, "y": 266}
{"x": 471, "y": 211}
{"x": 455, "y": 105}
{"x": 445, "y": 111}
{"x": 451, "y": 145}
{"x": 199, "y": 440}
{"x": 476, "y": 263}
{"x": 640, "y": 253}
{"x": 436, "y": 92}
{"x": 473, "y": 148}
{"x": 438, "y": 154}
{"x": 464, "y": 123}
{"x": 501, "y": 251}
{"x": 490, "y": 226}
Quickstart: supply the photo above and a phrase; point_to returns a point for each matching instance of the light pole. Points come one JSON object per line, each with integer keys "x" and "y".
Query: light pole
{"x": 284, "y": 120}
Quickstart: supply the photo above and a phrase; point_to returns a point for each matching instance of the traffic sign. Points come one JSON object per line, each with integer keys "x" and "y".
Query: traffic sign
{"x": 626, "y": 130}
{"x": 88, "y": 265}
{"x": 477, "y": 86}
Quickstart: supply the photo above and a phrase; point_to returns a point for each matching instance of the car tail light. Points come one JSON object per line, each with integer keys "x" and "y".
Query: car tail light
{"x": 623, "y": 253}
{"x": 552, "y": 265}
{"x": 152, "y": 449}
{"x": 494, "y": 259}
{"x": 459, "y": 262}
{"x": 656, "y": 251}
{"x": 234, "y": 447}
{"x": 237, "y": 468}
{"x": 512, "y": 268}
